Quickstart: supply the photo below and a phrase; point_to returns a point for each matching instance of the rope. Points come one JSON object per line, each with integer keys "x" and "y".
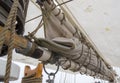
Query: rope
{"x": 45, "y": 17}
{"x": 10, "y": 24}
{"x": 33, "y": 18}
{"x": 35, "y": 31}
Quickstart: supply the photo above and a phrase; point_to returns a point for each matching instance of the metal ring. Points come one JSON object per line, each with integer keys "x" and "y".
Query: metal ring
{"x": 50, "y": 73}
{"x": 58, "y": 12}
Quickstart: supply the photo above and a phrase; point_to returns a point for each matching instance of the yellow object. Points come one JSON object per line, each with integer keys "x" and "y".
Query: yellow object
{"x": 37, "y": 71}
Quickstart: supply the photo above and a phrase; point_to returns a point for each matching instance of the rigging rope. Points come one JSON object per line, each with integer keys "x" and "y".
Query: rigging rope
{"x": 45, "y": 15}
{"x": 44, "y": 18}
{"x": 10, "y": 24}
{"x": 33, "y": 18}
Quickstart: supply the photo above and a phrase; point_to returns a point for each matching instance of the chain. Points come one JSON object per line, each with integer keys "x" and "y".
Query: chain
{"x": 10, "y": 24}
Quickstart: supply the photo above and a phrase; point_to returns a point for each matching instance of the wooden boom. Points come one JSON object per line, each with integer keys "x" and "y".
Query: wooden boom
{"x": 20, "y": 42}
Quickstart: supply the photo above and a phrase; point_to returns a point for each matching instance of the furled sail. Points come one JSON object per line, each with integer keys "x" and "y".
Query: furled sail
{"x": 64, "y": 39}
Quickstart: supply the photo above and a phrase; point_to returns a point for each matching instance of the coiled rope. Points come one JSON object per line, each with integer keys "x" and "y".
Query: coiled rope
{"x": 10, "y": 24}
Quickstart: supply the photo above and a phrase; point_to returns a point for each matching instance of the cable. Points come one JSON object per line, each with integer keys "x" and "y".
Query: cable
{"x": 33, "y": 18}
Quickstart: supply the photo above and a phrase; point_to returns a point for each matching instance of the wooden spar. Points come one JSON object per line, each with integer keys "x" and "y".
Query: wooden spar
{"x": 20, "y": 42}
